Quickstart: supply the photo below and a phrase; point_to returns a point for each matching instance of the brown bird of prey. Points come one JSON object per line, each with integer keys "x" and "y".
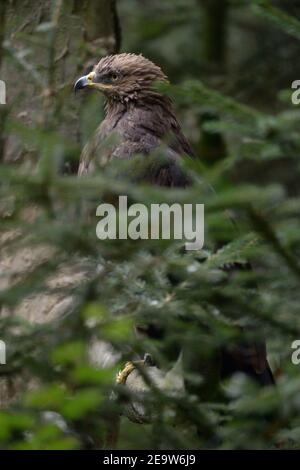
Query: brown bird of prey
{"x": 143, "y": 119}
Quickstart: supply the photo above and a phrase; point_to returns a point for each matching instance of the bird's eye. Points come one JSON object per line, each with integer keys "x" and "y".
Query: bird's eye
{"x": 114, "y": 77}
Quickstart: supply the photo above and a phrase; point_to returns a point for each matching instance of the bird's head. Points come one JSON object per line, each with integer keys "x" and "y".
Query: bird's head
{"x": 122, "y": 77}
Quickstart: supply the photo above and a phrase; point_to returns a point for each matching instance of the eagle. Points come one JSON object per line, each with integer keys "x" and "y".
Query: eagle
{"x": 143, "y": 120}
{"x": 140, "y": 118}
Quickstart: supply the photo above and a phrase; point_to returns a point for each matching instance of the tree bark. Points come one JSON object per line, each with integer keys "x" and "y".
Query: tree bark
{"x": 3, "y": 110}
{"x": 82, "y": 31}
{"x": 101, "y": 23}
{"x": 38, "y": 83}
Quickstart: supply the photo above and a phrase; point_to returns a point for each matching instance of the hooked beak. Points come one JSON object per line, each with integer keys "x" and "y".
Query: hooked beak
{"x": 88, "y": 81}
{"x": 84, "y": 82}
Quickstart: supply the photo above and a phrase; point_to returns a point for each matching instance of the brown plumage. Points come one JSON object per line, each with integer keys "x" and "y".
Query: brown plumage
{"x": 141, "y": 120}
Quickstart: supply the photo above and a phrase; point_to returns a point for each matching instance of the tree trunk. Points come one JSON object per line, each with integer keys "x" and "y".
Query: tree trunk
{"x": 3, "y": 110}
{"x": 211, "y": 146}
{"x": 81, "y": 32}
{"x": 61, "y": 37}
{"x": 101, "y": 23}
{"x": 214, "y": 35}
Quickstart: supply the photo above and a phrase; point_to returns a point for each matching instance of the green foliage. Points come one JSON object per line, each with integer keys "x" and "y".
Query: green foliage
{"x": 65, "y": 293}
{"x": 284, "y": 21}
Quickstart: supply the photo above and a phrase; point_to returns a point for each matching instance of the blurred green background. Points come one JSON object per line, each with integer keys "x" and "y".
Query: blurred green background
{"x": 69, "y": 302}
